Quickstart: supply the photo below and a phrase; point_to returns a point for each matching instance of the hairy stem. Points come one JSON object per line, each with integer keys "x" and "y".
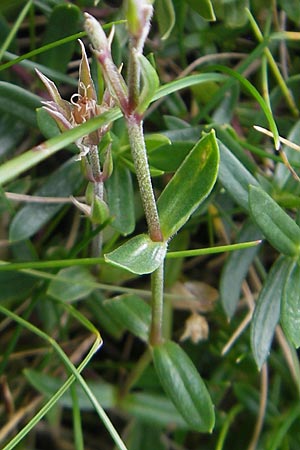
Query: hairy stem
{"x": 139, "y": 154}
{"x": 133, "y": 77}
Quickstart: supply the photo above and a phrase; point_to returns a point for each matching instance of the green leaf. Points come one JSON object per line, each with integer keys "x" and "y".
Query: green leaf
{"x": 187, "y": 82}
{"x": 19, "y": 103}
{"x": 48, "y": 385}
{"x": 165, "y": 15}
{"x": 267, "y": 310}
{"x": 183, "y": 384}
{"x": 290, "y": 312}
{"x": 10, "y": 283}
{"x": 235, "y": 13}
{"x": 190, "y": 185}
{"x": 145, "y": 436}
{"x": 11, "y": 133}
{"x": 292, "y": 9}
{"x": 96, "y": 305}
{"x": 5, "y": 30}
{"x": 229, "y": 138}
{"x": 73, "y": 287}
{"x": 32, "y": 217}
{"x": 150, "y": 84}
{"x": 169, "y": 157}
{"x": 227, "y": 108}
{"x": 155, "y": 141}
{"x": 46, "y": 123}
{"x": 121, "y": 199}
{"x": 203, "y": 7}
{"x": 234, "y": 176}
{"x": 280, "y": 230}
{"x": 283, "y": 179}
{"x": 132, "y": 312}
{"x": 236, "y": 268}
{"x": 153, "y": 408}
{"x": 64, "y": 21}
{"x": 139, "y": 255}
{"x": 255, "y": 94}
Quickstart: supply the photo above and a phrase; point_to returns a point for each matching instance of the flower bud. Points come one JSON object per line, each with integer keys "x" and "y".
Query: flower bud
{"x": 96, "y": 34}
{"x": 99, "y": 212}
{"x": 138, "y": 14}
{"x": 114, "y": 80}
{"x": 108, "y": 164}
{"x": 89, "y": 193}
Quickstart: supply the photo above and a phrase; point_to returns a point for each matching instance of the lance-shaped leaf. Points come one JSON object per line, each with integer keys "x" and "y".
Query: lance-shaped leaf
{"x": 280, "y": 230}
{"x": 204, "y": 8}
{"x": 234, "y": 176}
{"x": 165, "y": 15}
{"x": 63, "y": 21}
{"x": 71, "y": 284}
{"x": 183, "y": 384}
{"x": 119, "y": 189}
{"x": 33, "y": 216}
{"x": 132, "y": 312}
{"x": 267, "y": 311}
{"x": 150, "y": 83}
{"x": 290, "y": 312}
{"x": 236, "y": 268}
{"x": 139, "y": 255}
{"x": 190, "y": 185}
{"x": 19, "y": 103}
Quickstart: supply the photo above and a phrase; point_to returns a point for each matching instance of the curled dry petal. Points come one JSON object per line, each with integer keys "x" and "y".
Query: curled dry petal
{"x": 196, "y": 328}
{"x": 86, "y": 209}
{"x": 85, "y": 85}
{"x": 53, "y": 92}
{"x": 82, "y": 106}
{"x": 58, "y": 116}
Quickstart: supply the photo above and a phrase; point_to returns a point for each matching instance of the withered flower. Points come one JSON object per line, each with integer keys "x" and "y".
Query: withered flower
{"x": 81, "y": 107}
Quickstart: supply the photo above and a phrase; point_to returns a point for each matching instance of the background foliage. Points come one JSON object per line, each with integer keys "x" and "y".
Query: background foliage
{"x": 243, "y": 59}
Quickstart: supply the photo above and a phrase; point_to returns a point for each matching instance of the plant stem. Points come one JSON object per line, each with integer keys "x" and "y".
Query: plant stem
{"x": 139, "y": 154}
{"x": 157, "y": 289}
{"x": 98, "y": 192}
{"x": 133, "y": 76}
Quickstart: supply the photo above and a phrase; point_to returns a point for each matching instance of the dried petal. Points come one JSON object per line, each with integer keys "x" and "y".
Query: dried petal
{"x": 53, "y": 91}
{"x": 59, "y": 118}
{"x": 86, "y": 86}
{"x": 86, "y": 209}
{"x": 196, "y": 329}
